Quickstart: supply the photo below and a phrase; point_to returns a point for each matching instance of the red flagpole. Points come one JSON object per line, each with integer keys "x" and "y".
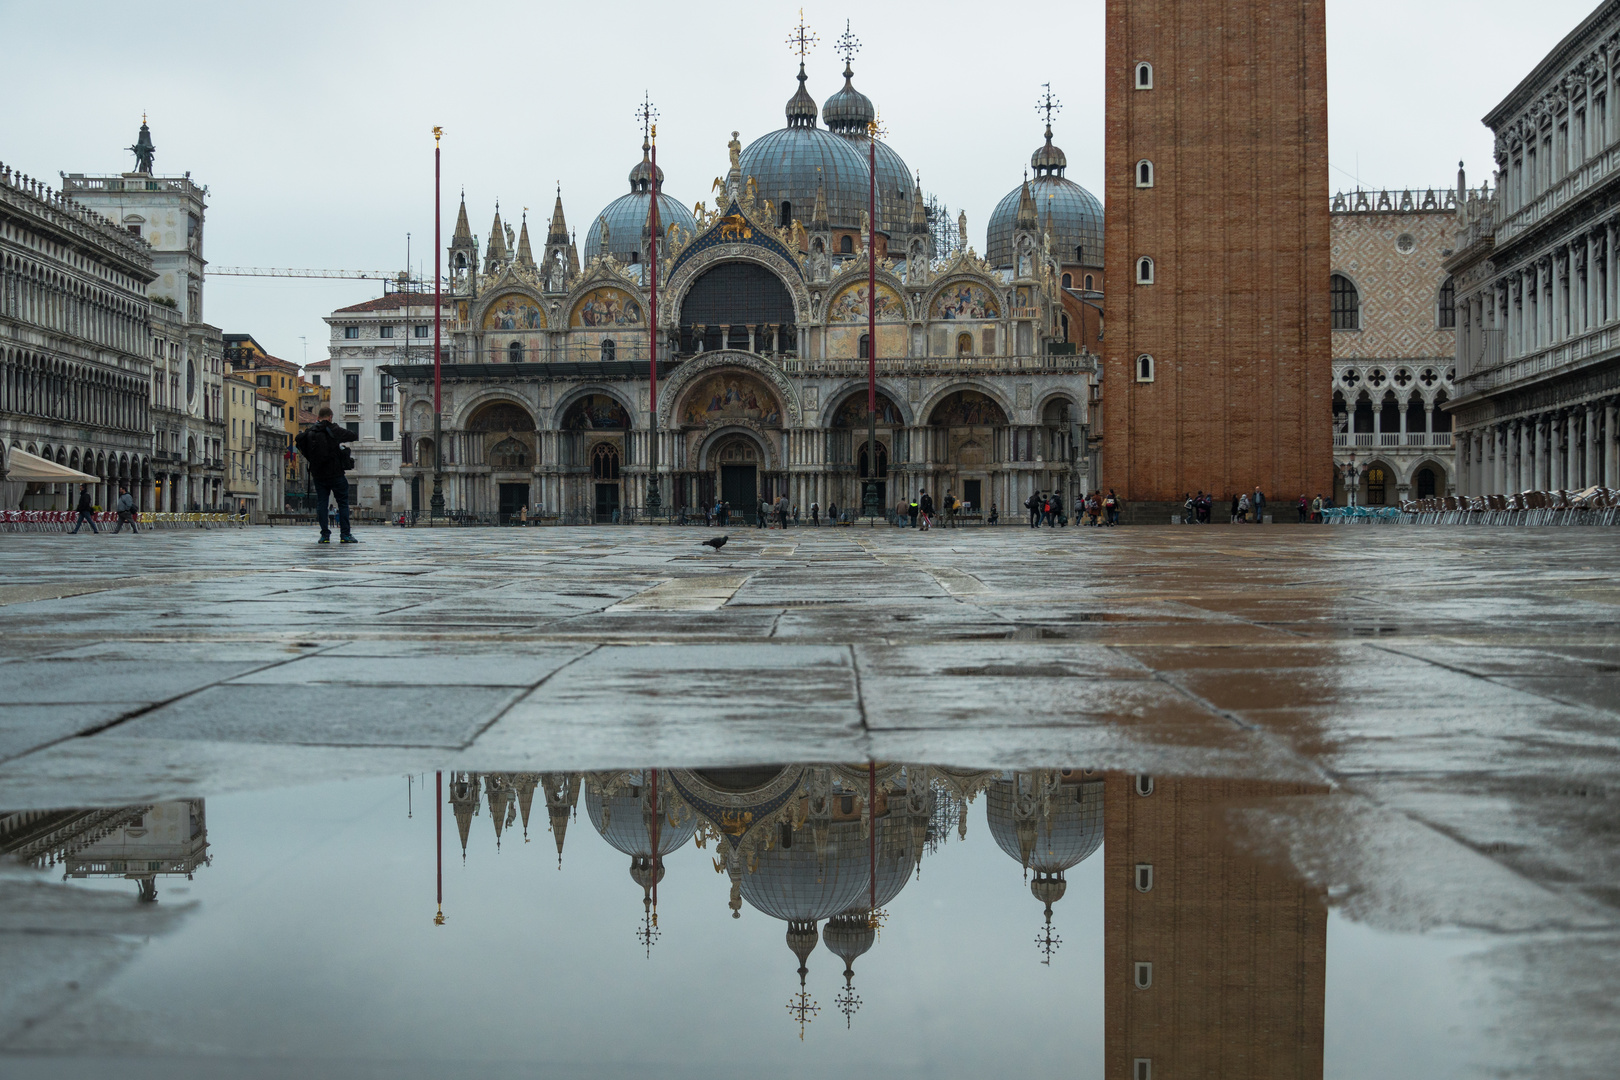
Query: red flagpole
{"x": 438, "y": 778}
{"x": 652, "y": 346}
{"x": 438, "y": 253}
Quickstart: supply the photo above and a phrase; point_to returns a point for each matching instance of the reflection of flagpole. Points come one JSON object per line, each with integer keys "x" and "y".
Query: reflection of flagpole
{"x": 654, "y": 498}
{"x": 438, "y": 779}
{"x": 871, "y": 838}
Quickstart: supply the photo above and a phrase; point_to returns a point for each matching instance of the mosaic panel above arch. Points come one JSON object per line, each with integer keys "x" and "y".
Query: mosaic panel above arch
{"x": 965, "y": 300}
{"x": 514, "y": 311}
{"x": 968, "y": 408}
{"x": 607, "y": 307}
{"x": 850, "y": 305}
{"x": 597, "y": 412}
{"x": 731, "y": 395}
{"x": 852, "y": 413}
{"x": 501, "y": 416}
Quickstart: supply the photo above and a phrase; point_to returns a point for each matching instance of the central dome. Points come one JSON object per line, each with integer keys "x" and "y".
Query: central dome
{"x": 788, "y": 165}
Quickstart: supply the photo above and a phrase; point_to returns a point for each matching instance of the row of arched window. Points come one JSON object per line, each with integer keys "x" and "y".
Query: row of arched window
{"x": 36, "y": 294}
{"x": 1344, "y": 304}
{"x": 35, "y": 385}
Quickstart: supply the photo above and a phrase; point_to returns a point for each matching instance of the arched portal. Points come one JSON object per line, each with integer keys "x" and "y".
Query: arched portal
{"x": 964, "y": 439}
{"x": 605, "y": 479}
{"x": 737, "y": 305}
{"x": 847, "y": 444}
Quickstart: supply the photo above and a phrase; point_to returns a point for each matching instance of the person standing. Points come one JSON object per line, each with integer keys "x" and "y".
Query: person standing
{"x": 832, "y": 513}
{"x": 1316, "y": 510}
{"x": 322, "y": 446}
{"x": 1058, "y": 519}
{"x": 926, "y": 506}
{"x": 1259, "y": 506}
{"x": 1304, "y": 509}
{"x": 995, "y": 515}
{"x": 126, "y": 512}
{"x": 1111, "y": 504}
{"x": 815, "y": 514}
{"x": 913, "y": 508}
{"x": 86, "y": 512}
{"x": 1033, "y": 505}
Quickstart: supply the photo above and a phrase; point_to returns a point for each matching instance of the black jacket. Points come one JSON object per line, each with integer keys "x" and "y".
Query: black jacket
{"x": 332, "y": 468}
{"x": 84, "y": 501}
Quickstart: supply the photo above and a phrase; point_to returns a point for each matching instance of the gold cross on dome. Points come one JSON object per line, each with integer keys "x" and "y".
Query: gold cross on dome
{"x": 802, "y": 40}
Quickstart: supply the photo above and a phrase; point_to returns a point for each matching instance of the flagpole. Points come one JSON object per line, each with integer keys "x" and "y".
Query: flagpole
{"x": 655, "y": 501}
{"x": 436, "y": 506}
{"x": 871, "y": 508}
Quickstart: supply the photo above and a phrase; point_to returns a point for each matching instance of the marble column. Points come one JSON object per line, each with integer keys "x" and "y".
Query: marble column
{"x": 1555, "y": 452}
{"x": 1611, "y": 447}
{"x": 1590, "y": 476}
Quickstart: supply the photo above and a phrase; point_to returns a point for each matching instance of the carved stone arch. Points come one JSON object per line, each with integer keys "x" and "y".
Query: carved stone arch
{"x": 689, "y": 373}
{"x": 576, "y": 393}
{"x": 925, "y": 411}
{"x": 1053, "y": 394}
{"x": 671, "y": 299}
{"x": 712, "y": 441}
{"x": 896, "y": 394}
{"x": 467, "y": 407}
{"x": 957, "y": 279}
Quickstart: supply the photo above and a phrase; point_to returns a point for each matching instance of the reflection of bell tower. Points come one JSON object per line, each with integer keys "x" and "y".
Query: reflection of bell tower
{"x": 1216, "y": 964}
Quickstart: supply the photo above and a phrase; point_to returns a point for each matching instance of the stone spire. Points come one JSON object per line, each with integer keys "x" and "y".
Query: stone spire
{"x": 463, "y": 230}
{"x": 524, "y": 784}
{"x": 919, "y": 211}
{"x": 525, "y": 253}
{"x": 495, "y": 253}
{"x": 556, "y": 270}
{"x": 464, "y": 804}
{"x": 1026, "y": 207}
{"x": 463, "y": 248}
{"x": 562, "y": 795}
{"x": 559, "y": 225}
{"x": 499, "y": 794}
{"x": 818, "y": 219}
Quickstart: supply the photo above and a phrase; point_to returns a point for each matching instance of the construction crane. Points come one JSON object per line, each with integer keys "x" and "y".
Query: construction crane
{"x": 279, "y": 272}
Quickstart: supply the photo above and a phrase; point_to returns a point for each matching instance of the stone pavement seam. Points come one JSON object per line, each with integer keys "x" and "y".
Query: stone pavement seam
{"x": 136, "y": 714}
{"x": 860, "y": 697}
{"x": 525, "y": 694}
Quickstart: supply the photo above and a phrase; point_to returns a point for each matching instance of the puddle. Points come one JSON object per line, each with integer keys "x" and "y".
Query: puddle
{"x": 1056, "y": 922}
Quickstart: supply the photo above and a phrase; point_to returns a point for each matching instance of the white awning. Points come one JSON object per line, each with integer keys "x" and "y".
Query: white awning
{"x": 31, "y": 468}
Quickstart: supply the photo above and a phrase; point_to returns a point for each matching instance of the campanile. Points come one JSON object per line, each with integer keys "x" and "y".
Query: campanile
{"x": 1217, "y": 356}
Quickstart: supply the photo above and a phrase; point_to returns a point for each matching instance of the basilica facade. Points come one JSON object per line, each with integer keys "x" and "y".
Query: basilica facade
{"x": 986, "y": 381}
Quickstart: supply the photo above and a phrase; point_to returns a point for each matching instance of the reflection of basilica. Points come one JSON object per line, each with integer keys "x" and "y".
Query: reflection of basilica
{"x": 140, "y": 843}
{"x": 983, "y": 363}
{"x": 1215, "y": 963}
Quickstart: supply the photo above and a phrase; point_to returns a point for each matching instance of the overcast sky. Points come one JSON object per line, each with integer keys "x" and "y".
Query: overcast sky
{"x": 309, "y": 122}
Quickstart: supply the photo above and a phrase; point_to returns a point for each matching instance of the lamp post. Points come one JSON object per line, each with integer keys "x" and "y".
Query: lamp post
{"x": 871, "y": 501}
{"x": 436, "y": 506}
{"x": 1351, "y": 473}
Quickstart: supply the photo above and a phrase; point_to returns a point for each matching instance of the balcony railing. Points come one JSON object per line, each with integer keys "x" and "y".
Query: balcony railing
{"x": 1344, "y": 439}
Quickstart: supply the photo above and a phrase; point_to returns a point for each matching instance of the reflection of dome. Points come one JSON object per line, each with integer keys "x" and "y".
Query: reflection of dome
{"x": 849, "y": 936}
{"x": 627, "y": 215}
{"x": 796, "y": 883}
{"x": 1047, "y": 824}
{"x": 1077, "y": 215}
{"x": 624, "y": 822}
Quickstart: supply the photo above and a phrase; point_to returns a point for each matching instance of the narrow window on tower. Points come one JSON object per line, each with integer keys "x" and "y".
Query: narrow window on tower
{"x": 1144, "y": 877}
{"x": 846, "y": 245}
{"x": 610, "y": 351}
{"x": 1144, "y": 76}
{"x": 1144, "y": 785}
{"x": 1144, "y": 1069}
{"x": 1345, "y": 303}
{"x": 1144, "y": 373}
{"x": 1144, "y": 271}
{"x": 1144, "y": 173}
{"x": 1144, "y": 975}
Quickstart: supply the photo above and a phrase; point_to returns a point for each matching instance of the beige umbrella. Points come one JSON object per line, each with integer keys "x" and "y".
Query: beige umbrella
{"x": 21, "y": 466}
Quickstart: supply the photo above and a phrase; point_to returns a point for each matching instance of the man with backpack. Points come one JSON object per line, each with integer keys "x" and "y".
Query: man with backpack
{"x": 126, "y": 512}
{"x": 1033, "y": 505}
{"x": 322, "y": 446}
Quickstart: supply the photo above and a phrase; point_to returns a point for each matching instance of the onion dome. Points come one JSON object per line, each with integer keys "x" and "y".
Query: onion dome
{"x": 626, "y": 216}
{"x": 850, "y": 936}
{"x": 1048, "y": 828}
{"x": 1076, "y": 214}
{"x": 848, "y": 111}
{"x": 801, "y": 107}
{"x": 789, "y": 163}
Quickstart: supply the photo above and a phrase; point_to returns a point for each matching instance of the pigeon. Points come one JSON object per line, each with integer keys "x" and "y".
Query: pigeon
{"x": 717, "y": 543}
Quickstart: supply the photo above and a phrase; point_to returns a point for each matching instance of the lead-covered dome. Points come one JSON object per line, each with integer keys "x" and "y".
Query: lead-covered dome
{"x": 789, "y": 164}
{"x": 625, "y": 820}
{"x": 1077, "y": 214}
{"x": 1047, "y": 823}
{"x": 848, "y": 114}
{"x": 796, "y": 882}
{"x": 626, "y": 215}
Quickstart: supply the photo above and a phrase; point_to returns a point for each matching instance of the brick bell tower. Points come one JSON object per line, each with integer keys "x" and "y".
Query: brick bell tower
{"x": 1217, "y": 362}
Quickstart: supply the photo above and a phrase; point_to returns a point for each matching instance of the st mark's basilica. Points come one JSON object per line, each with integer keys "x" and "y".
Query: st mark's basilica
{"x": 985, "y": 364}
